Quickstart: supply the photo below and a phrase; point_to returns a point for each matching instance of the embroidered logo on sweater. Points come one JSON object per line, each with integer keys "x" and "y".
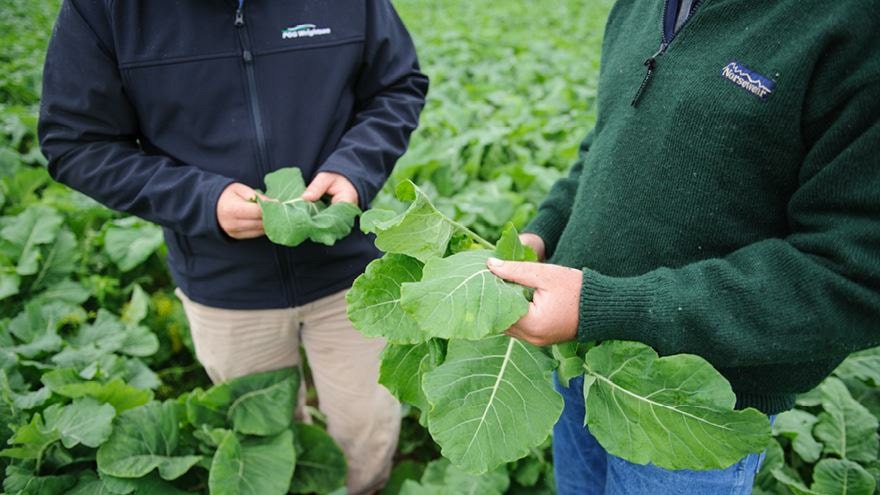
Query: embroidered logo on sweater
{"x": 304, "y": 31}
{"x": 748, "y": 80}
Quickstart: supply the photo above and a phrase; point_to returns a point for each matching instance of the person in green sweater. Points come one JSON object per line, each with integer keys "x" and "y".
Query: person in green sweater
{"x": 726, "y": 204}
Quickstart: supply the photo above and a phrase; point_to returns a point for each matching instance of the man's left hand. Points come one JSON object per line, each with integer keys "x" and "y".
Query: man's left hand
{"x": 553, "y": 313}
{"x": 332, "y": 184}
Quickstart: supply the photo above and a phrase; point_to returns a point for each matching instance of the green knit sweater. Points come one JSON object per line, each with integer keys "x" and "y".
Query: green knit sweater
{"x": 734, "y": 212}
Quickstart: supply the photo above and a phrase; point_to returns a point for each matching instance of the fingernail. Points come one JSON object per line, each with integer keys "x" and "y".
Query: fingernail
{"x": 495, "y": 262}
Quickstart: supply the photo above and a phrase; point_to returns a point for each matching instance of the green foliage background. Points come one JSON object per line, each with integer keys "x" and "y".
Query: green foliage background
{"x": 513, "y": 88}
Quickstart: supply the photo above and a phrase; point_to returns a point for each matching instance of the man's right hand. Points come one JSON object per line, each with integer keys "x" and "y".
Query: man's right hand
{"x": 238, "y": 215}
{"x": 535, "y": 242}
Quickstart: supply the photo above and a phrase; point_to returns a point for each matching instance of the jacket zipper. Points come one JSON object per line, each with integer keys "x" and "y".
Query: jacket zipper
{"x": 666, "y": 37}
{"x": 262, "y": 151}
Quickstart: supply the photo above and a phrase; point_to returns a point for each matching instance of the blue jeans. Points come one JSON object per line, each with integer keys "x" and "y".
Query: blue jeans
{"x": 581, "y": 466}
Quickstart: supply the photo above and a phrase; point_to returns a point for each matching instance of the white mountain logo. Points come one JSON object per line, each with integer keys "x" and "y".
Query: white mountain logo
{"x": 748, "y": 80}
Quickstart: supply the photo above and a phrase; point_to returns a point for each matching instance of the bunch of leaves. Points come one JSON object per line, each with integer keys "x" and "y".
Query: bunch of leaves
{"x": 488, "y": 399}
{"x": 289, "y": 219}
{"x": 108, "y": 437}
{"x": 828, "y": 444}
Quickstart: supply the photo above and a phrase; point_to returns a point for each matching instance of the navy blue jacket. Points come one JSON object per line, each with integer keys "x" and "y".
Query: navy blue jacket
{"x": 153, "y": 107}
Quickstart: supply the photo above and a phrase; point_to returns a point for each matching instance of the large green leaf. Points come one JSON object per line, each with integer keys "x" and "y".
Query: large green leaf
{"x": 798, "y": 426}
{"x": 421, "y": 231}
{"x": 289, "y": 220}
{"x": 831, "y": 477}
{"x": 58, "y": 261}
{"x": 20, "y": 481}
{"x": 31, "y": 441}
{"x": 846, "y": 428}
{"x": 67, "y": 382}
{"x": 144, "y": 439}
{"x": 263, "y": 403}
{"x": 320, "y": 463}
{"x": 84, "y": 421}
{"x": 374, "y": 300}
{"x": 675, "y": 412}
{"x": 458, "y": 297}
{"x": 10, "y": 284}
{"x": 261, "y": 466}
{"x": 35, "y": 226}
{"x": 443, "y": 477}
{"x": 403, "y": 366}
{"x": 863, "y": 365}
{"x": 492, "y": 400}
{"x": 130, "y": 241}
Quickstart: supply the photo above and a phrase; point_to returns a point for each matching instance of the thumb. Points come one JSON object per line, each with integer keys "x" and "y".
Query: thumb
{"x": 318, "y": 187}
{"x": 242, "y": 191}
{"x": 519, "y": 272}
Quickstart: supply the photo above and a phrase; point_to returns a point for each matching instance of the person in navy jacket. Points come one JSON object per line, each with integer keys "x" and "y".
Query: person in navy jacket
{"x": 175, "y": 111}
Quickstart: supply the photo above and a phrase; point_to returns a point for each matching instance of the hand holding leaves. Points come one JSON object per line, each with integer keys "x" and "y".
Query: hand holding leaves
{"x": 290, "y": 218}
{"x": 553, "y": 313}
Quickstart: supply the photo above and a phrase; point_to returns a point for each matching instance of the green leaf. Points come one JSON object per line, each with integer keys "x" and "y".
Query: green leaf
{"x": 289, "y": 220}
{"x": 85, "y": 421}
{"x": 843, "y": 477}
{"x": 263, "y": 403}
{"x": 571, "y": 360}
{"x": 443, "y": 477}
{"x": 35, "y": 226}
{"x": 675, "y": 412}
{"x": 510, "y": 248}
{"x": 253, "y": 467}
{"x": 136, "y": 309}
{"x": 846, "y": 428}
{"x": 66, "y": 291}
{"x": 144, "y": 439}
{"x": 403, "y": 366}
{"x": 797, "y": 425}
{"x": 493, "y": 400}
{"x": 10, "y": 284}
{"x": 32, "y": 440}
{"x": 863, "y": 365}
{"x": 374, "y": 300}
{"x": 58, "y": 261}
{"x": 831, "y": 477}
{"x": 20, "y": 481}
{"x": 208, "y": 408}
{"x": 458, "y": 297}
{"x": 421, "y": 231}
{"x": 320, "y": 463}
{"x": 130, "y": 241}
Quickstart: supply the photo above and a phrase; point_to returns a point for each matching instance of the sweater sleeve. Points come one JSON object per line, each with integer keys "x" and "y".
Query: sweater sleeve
{"x": 814, "y": 293}
{"x": 391, "y": 93}
{"x": 88, "y": 131}
{"x": 554, "y": 211}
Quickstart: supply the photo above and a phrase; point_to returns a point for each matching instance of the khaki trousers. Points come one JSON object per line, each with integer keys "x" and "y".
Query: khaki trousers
{"x": 361, "y": 415}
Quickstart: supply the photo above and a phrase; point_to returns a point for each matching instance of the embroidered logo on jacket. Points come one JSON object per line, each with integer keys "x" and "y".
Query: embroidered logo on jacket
{"x": 304, "y": 31}
{"x": 748, "y": 79}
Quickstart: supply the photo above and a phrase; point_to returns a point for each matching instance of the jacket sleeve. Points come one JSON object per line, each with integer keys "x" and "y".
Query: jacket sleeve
{"x": 554, "y": 211}
{"x": 390, "y": 94}
{"x": 88, "y": 130}
{"x": 812, "y": 294}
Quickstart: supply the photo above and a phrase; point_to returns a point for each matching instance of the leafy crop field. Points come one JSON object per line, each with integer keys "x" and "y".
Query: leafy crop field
{"x": 99, "y": 389}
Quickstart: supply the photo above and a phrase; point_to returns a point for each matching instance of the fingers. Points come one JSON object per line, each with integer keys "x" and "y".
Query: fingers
{"x": 535, "y": 242}
{"x": 237, "y": 215}
{"x": 346, "y": 196}
{"x": 519, "y": 272}
{"x": 319, "y": 186}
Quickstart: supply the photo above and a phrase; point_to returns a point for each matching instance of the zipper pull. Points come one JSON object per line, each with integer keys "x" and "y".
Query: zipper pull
{"x": 247, "y": 56}
{"x": 239, "y": 17}
{"x": 650, "y": 63}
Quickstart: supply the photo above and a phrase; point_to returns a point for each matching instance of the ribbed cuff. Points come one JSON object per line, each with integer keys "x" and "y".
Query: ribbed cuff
{"x": 619, "y": 308}
{"x": 548, "y": 226}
